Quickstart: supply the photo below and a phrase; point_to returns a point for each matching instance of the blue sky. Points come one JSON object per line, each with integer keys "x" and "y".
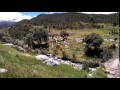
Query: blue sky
{"x": 37, "y": 13}
{"x": 33, "y": 13}
{"x": 28, "y": 15}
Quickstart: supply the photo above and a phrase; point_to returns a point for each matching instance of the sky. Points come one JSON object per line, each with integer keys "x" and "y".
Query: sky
{"x": 28, "y": 15}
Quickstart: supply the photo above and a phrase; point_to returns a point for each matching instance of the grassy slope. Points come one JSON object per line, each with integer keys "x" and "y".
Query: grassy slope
{"x": 20, "y": 66}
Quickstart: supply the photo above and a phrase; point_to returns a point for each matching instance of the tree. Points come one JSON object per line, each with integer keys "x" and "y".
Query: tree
{"x": 19, "y": 31}
{"x": 94, "y": 40}
{"x": 64, "y": 35}
{"x": 92, "y": 19}
{"x": 93, "y": 43}
{"x": 40, "y": 36}
{"x": 29, "y": 39}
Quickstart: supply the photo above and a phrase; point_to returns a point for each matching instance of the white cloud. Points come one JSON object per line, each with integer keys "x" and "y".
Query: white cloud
{"x": 54, "y": 12}
{"x": 99, "y": 12}
{"x": 13, "y": 15}
{"x": 50, "y": 12}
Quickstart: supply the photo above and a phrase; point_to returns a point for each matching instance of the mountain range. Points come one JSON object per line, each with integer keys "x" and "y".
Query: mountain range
{"x": 4, "y": 24}
{"x": 69, "y": 19}
{"x": 65, "y": 20}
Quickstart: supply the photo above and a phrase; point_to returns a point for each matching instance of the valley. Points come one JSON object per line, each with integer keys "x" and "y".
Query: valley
{"x": 64, "y": 47}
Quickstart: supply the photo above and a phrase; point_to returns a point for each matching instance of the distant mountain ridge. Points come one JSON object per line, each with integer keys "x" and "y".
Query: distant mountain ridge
{"x": 4, "y": 24}
{"x": 71, "y": 20}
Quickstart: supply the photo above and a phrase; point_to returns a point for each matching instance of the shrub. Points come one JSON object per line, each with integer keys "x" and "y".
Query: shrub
{"x": 29, "y": 40}
{"x": 44, "y": 51}
{"x": 94, "y": 40}
{"x": 92, "y": 63}
{"x": 3, "y": 39}
{"x": 113, "y": 46}
{"x": 74, "y": 57}
{"x": 64, "y": 35}
{"x": 90, "y": 51}
{"x": 40, "y": 35}
{"x": 65, "y": 55}
{"x": 99, "y": 73}
{"x": 106, "y": 55}
{"x": 29, "y": 50}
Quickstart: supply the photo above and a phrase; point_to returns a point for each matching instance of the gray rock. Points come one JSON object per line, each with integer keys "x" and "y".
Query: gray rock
{"x": 20, "y": 48}
{"x": 52, "y": 62}
{"x": 42, "y": 57}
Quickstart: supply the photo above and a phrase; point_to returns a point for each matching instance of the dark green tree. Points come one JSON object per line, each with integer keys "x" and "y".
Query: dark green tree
{"x": 93, "y": 42}
{"x": 40, "y": 36}
{"x": 29, "y": 39}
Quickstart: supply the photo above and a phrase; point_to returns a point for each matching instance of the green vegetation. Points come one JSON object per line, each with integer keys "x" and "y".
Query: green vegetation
{"x": 99, "y": 73}
{"x": 106, "y": 55}
{"x": 64, "y": 35}
{"x": 42, "y": 35}
{"x": 21, "y": 66}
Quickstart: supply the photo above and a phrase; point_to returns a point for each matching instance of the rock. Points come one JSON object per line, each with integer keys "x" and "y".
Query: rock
{"x": 8, "y": 44}
{"x": 52, "y": 62}
{"x": 42, "y": 57}
{"x": 20, "y": 48}
{"x": 3, "y": 70}
{"x": 77, "y": 66}
{"x": 92, "y": 69}
{"x": 66, "y": 62}
{"x": 90, "y": 75}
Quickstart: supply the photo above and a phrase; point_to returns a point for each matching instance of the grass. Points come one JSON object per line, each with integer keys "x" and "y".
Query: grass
{"x": 20, "y": 66}
{"x": 99, "y": 73}
{"x": 82, "y": 33}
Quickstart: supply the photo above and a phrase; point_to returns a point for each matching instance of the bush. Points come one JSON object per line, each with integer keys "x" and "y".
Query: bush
{"x": 113, "y": 46}
{"x": 74, "y": 57}
{"x": 29, "y": 40}
{"x": 64, "y": 35}
{"x": 94, "y": 40}
{"x": 40, "y": 35}
{"x": 65, "y": 55}
{"x": 99, "y": 73}
{"x": 90, "y": 51}
{"x": 92, "y": 63}
{"x": 32, "y": 51}
{"x": 106, "y": 55}
{"x": 3, "y": 39}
